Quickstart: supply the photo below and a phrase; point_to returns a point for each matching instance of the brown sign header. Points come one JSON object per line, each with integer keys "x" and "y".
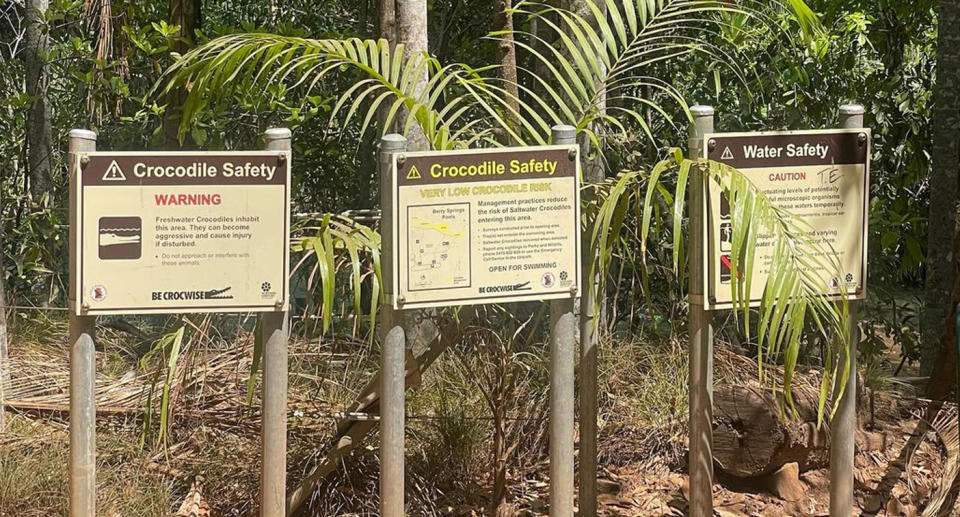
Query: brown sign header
{"x": 789, "y": 149}
{"x": 184, "y": 168}
{"x": 492, "y": 165}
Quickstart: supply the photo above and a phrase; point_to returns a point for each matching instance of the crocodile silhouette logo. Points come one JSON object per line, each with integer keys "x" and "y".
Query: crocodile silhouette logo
{"x": 120, "y": 238}
{"x": 218, "y": 294}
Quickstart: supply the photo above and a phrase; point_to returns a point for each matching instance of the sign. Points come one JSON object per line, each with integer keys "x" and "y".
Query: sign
{"x": 823, "y": 177}
{"x": 182, "y": 232}
{"x": 485, "y": 226}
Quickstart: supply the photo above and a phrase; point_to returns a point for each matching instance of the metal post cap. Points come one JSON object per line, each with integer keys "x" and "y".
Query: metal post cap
{"x": 277, "y": 133}
{"x": 393, "y": 142}
{"x": 852, "y": 109}
{"x": 702, "y": 111}
{"x": 563, "y": 134}
{"x": 84, "y": 134}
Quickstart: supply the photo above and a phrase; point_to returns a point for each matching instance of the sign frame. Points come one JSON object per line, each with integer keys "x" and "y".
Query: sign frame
{"x": 282, "y": 301}
{"x": 398, "y": 301}
{"x": 712, "y": 141}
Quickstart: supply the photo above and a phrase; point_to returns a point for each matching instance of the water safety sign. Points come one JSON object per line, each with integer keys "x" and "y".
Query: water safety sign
{"x": 163, "y": 232}
{"x": 485, "y": 226}
{"x": 822, "y": 177}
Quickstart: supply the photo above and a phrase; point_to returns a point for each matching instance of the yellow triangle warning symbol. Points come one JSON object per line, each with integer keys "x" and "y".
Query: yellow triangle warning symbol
{"x": 413, "y": 173}
{"x": 114, "y": 173}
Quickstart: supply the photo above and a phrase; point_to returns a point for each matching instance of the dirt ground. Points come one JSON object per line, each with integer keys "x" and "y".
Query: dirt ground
{"x": 899, "y": 463}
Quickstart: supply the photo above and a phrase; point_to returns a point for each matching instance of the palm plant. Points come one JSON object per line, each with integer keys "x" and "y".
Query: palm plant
{"x": 590, "y": 73}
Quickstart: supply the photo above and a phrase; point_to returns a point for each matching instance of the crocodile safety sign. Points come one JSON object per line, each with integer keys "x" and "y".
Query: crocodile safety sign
{"x": 182, "y": 232}
{"x": 821, "y": 177}
{"x": 485, "y": 226}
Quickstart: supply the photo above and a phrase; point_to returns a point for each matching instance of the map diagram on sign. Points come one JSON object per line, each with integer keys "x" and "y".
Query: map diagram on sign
{"x": 438, "y": 254}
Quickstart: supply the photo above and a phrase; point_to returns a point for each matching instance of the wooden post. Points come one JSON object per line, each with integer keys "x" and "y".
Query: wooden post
{"x": 4, "y": 349}
{"x": 844, "y": 424}
{"x": 589, "y": 342}
{"x": 83, "y": 365}
{"x": 700, "y": 462}
{"x": 274, "y": 334}
{"x": 563, "y": 328}
{"x": 393, "y": 353}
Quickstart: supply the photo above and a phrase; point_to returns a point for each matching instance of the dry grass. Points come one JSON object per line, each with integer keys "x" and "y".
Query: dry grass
{"x": 643, "y": 402}
{"x": 33, "y": 477}
{"x": 215, "y": 433}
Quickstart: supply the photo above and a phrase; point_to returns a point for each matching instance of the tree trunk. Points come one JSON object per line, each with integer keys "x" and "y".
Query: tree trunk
{"x": 944, "y": 375}
{"x": 591, "y": 313}
{"x": 507, "y": 58}
{"x": 751, "y": 439}
{"x": 499, "y": 400}
{"x": 387, "y": 17}
{"x": 187, "y": 15}
{"x": 412, "y": 33}
{"x": 503, "y": 389}
{"x": 39, "y": 130}
{"x": 4, "y": 355}
{"x": 943, "y": 181}
{"x": 593, "y": 171}
{"x": 387, "y": 28}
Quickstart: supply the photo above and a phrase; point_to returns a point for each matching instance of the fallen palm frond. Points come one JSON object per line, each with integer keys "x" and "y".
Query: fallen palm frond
{"x": 945, "y": 425}
{"x": 214, "y": 432}
{"x": 42, "y": 383}
{"x": 194, "y": 505}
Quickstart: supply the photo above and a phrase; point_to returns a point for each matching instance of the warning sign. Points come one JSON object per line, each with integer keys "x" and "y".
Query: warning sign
{"x": 114, "y": 173}
{"x": 182, "y": 232}
{"x": 820, "y": 176}
{"x": 486, "y": 226}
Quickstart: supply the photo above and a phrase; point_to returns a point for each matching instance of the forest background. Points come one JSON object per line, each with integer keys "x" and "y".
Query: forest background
{"x": 95, "y": 64}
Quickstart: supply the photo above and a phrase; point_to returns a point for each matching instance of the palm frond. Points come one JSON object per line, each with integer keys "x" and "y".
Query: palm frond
{"x": 595, "y": 66}
{"x": 595, "y": 73}
{"x": 791, "y": 297}
{"x": 169, "y": 346}
{"x": 328, "y": 244}
{"x": 214, "y": 72}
